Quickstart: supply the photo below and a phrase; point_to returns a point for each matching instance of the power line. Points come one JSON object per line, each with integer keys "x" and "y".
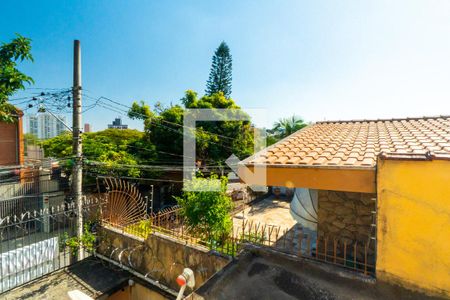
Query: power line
{"x": 37, "y": 94}
{"x": 40, "y": 88}
{"x": 55, "y": 103}
{"x": 162, "y": 126}
{"x": 164, "y": 121}
{"x": 160, "y": 167}
{"x": 122, "y": 112}
{"x": 138, "y": 178}
{"x": 56, "y": 100}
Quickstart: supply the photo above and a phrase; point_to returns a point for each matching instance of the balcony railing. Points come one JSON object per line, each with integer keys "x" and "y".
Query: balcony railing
{"x": 351, "y": 255}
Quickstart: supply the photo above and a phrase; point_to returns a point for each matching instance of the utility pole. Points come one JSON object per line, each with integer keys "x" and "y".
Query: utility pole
{"x": 77, "y": 174}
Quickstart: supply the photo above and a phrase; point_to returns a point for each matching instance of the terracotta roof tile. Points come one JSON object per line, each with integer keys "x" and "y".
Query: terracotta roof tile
{"x": 306, "y": 160}
{"x": 271, "y": 159}
{"x": 358, "y": 143}
{"x": 321, "y": 160}
{"x": 350, "y": 161}
{"x": 367, "y": 162}
{"x": 294, "y": 160}
{"x": 334, "y": 161}
{"x": 282, "y": 159}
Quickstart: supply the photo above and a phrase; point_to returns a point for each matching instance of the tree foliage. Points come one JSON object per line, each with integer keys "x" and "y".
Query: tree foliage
{"x": 11, "y": 79}
{"x": 29, "y": 140}
{"x": 215, "y": 141}
{"x": 220, "y": 75}
{"x": 114, "y": 147}
{"x": 218, "y": 140}
{"x": 140, "y": 111}
{"x": 59, "y": 147}
{"x": 207, "y": 212}
{"x": 165, "y": 131}
{"x": 287, "y": 126}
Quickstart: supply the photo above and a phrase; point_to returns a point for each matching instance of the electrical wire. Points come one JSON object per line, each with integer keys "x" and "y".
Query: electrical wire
{"x": 57, "y": 99}
{"x": 162, "y": 126}
{"x": 54, "y": 101}
{"x": 164, "y": 121}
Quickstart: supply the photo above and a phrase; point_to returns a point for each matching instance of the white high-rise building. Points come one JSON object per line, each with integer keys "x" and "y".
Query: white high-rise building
{"x": 45, "y": 126}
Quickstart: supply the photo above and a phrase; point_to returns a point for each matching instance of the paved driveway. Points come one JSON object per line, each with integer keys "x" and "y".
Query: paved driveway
{"x": 269, "y": 211}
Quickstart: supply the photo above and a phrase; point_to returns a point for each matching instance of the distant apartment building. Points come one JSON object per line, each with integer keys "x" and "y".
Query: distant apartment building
{"x": 87, "y": 127}
{"x": 117, "y": 124}
{"x": 45, "y": 126}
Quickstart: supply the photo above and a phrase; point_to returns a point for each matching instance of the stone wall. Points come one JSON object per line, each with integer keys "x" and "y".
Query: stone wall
{"x": 345, "y": 215}
{"x": 160, "y": 257}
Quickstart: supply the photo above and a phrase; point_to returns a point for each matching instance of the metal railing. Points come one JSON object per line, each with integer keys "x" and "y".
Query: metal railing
{"x": 352, "y": 255}
{"x": 35, "y": 243}
{"x": 21, "y": 196}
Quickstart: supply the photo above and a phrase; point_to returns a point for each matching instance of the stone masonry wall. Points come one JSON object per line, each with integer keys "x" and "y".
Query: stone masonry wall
{"x": 346, "y": 216}
{"x": 160, "y": 257}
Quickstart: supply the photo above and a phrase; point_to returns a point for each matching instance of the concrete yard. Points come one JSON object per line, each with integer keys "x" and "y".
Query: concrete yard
{"x": 269, "y": 211}
{"x": 90, "y": 276}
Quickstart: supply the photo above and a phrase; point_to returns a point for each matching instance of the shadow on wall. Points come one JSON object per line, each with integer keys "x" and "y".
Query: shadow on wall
{"x": 159, "y": 257}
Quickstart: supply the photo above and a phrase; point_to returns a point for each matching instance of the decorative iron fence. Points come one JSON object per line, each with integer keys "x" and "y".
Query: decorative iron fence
{"x": 351, "y": 255}
{"x": 167, "y": 218}
{"x": 343, "y": 252}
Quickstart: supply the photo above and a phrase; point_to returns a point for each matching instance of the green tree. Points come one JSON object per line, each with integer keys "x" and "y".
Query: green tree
{"x": 220, "y": 75}
{"x": 287, "y": 126}
{"x": 218, "y": 140}
{"x": 215, "y": 141}
{"x": 207, "y": 212}
{"x": 11, "y": 79}
{"x": 165, "y": 131}
{"x": 59, "y": 147}
{"x": 29, "y": 139}
{"x": 113, "y": 147}
{"x": 140, "y": 111}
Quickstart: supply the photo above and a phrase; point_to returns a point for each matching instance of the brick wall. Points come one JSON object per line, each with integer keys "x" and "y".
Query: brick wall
{"x": 11, "y": 143}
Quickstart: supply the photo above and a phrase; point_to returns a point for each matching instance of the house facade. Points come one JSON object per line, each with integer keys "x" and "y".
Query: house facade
{"x": 384, "y": 184}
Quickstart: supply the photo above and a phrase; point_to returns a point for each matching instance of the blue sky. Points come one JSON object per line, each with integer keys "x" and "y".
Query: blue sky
{"x": 322, "y": 60}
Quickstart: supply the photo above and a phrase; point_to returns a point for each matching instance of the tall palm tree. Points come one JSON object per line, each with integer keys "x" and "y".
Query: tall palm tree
{"x": 287, "y": 126}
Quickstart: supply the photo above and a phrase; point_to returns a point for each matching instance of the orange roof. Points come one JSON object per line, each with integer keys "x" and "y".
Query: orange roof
{"x": 356, "y": 143}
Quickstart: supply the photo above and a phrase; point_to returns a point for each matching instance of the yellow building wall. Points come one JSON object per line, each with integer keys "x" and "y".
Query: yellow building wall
{"x": 413, "y": 232}
{"x": 346, "y": 180}
{"x": 136, "y": 292}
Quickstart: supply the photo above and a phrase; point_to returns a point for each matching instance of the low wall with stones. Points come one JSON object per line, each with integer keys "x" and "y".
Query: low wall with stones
{"x": 346, "y": 216}
{"x": 160, "y": 257}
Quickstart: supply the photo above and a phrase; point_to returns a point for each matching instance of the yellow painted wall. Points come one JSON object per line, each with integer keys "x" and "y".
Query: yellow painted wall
{"x": 122, "y": 294}
{"x": 140, "y": 292}
{"x": 346, "y": 180}
{"x": 136, "y": 292}
{"x": 413, "y": 247}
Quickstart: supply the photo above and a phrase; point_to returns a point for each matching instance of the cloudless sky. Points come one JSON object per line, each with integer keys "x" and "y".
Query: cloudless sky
{"x": 321, "y": 60}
